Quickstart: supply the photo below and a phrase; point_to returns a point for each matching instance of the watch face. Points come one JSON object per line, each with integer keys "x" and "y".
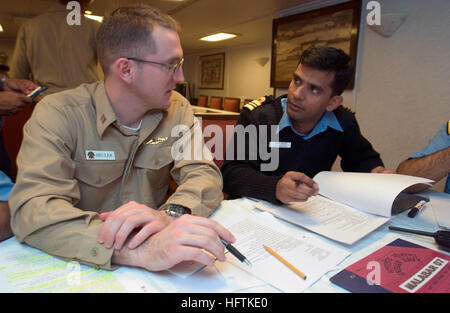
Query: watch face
{"x": 175, "y": 210}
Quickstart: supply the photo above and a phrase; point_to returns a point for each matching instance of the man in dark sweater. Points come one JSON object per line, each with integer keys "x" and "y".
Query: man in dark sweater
{"x": 279, "y": 144}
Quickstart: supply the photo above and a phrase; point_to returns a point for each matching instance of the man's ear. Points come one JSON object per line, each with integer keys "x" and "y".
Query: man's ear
{"x": 123, "y": 69}
{"x": 334, "y": 103}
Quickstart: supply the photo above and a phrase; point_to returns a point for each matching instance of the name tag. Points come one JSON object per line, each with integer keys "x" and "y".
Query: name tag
{"x": 276, "y": 144}
{"x": 96, "y": 155}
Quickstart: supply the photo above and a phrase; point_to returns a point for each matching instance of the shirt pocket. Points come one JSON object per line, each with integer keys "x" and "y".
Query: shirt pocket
{"x": 99, "y": 184}
{"x": 154, "y": 164}
{"x": 98, "y": 174}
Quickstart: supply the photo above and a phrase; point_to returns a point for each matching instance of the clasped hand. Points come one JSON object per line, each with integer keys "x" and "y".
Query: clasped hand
{"x": 150, "y": 239}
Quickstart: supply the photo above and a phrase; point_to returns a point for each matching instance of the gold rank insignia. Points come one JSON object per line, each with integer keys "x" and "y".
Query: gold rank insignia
{"x": 156, "y": 140}
{"x": 348, "y": 109}
{"x": 448, "y": 128}
{"x": 255, "y": 103}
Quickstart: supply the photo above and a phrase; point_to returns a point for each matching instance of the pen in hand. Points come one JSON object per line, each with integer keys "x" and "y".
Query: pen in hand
{"x": 236, "y": 252}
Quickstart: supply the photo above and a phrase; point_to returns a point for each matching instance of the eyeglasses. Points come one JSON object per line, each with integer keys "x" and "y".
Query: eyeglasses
{"x": 170, "y": 67}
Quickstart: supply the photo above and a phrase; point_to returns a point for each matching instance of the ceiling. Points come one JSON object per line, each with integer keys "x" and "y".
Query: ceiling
{"x": 250, "y": 19}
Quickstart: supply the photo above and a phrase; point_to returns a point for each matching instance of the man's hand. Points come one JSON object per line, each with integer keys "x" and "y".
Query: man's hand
{"x": 12, "y": 102}
{"x": 19, "y": 85}
{"x": 295, "y": 186}
{"x": 120, "y": 223}
{"x": 382, "y": 170}
{"x": 188, "y": 238}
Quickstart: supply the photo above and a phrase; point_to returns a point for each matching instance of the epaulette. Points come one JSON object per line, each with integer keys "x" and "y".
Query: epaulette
{"x": 348, "y": 109}
{"x": 255, "y": 103}
{"x": 448, "y": 128}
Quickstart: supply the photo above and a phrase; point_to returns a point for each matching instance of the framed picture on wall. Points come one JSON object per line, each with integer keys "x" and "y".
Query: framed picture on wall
{"x": 212, "y": 71}
{"x": 335, "y": 26}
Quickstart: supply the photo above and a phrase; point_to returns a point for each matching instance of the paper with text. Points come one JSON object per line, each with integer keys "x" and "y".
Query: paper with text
{"x": 327, "y": 218}
{"x": 26, "y": 269}
{"x": 306, "y": 252}
{"x": 370, "y": 192}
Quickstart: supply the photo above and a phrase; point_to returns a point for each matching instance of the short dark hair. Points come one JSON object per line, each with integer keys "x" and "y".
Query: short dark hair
{"x": 128, "y": 32}
{"x": 330, "y": 59}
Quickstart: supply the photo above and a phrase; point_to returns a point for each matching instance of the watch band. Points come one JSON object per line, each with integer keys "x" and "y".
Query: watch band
{"x": 176, "y": 210}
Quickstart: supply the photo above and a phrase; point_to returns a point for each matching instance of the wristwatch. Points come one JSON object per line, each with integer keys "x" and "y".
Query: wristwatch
{"x": 175, "y": 210}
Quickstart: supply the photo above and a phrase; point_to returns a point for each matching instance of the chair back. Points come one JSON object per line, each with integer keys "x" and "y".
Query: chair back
{"x": 202, "y": 100}
{"x": 215, "y": 102}
{"x": 232, "y": 104}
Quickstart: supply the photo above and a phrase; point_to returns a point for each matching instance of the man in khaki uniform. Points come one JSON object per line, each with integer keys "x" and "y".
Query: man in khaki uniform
{"x": 54, "y": 53}
{"x": 111, "y": 148}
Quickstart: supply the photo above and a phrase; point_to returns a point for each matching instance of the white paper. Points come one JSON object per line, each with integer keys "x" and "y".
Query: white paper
{"x": 440, "y": 202}
{"x": 327, "y": 218}
{"x": 307, "y": 253}
{"x": 370, "y": 192}
{"x": 25, "y": 269}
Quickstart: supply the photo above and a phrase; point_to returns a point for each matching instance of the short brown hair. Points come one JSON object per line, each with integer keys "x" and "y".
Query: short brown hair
{"x": 127, "y": 31}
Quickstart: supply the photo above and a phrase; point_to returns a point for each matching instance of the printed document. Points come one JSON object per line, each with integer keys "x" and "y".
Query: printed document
{"x": 349, "y": 207}
{"x": 308, "y": 253}
{"x": 26, "y": 269}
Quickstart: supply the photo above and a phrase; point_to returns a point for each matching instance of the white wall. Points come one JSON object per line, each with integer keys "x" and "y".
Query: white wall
{"x": 403, "y": 85}
{"x": 244, "y": 78}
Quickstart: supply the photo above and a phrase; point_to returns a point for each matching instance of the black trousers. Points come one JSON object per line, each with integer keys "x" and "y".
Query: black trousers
{"x": 5, "y": 162}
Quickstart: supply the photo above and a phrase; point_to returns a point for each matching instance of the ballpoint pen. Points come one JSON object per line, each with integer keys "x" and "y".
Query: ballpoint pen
{"x": 235, "y": 252}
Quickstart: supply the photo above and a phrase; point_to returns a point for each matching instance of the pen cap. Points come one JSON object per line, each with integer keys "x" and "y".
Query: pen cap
{"x": 443, "y": 239}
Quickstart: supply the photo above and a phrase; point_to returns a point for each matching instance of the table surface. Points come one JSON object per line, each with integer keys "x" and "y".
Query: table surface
{"x": 35, "y": 271}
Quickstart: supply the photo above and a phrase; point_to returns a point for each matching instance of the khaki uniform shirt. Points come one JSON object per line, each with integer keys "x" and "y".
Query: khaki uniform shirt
{"x": 76, "y": 161}
{"x": 56, "y": 54}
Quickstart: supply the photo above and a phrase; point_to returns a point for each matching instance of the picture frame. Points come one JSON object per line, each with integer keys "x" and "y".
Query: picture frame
{"x": 212, "y": 68}
{"x": 336, "y": 26}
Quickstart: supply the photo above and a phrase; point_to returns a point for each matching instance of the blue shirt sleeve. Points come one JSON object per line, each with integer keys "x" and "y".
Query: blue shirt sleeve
{"x": 439, "y": 142}
{"x": 5, "y": 186}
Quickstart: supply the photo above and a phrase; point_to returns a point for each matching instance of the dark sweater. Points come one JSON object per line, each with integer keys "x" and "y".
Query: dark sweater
{"x": 244, "y": 178}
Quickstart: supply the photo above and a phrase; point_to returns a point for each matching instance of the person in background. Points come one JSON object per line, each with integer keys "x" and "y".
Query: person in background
{"x": 96, "y": 161}
{"x": 53, "y": 53}
{"x": 5, "y": 188}
{"x": 432, "y": 162}
{"x": 12, "y": 100}
{"x": 313, "y": 129}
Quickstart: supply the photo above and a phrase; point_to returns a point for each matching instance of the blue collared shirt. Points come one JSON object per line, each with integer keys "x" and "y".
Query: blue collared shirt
{"x": 328, "y": 120}
{"x": 5, "y": 186}
{"x": 439, "y": 142}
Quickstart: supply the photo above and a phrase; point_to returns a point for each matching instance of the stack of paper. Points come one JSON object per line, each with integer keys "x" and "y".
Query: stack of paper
{"x": 350, "y": 205}
{"x": 306, "y": 252}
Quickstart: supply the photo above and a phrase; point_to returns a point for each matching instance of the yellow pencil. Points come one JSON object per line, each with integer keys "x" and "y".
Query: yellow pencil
{"x": 295, "y": 270}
